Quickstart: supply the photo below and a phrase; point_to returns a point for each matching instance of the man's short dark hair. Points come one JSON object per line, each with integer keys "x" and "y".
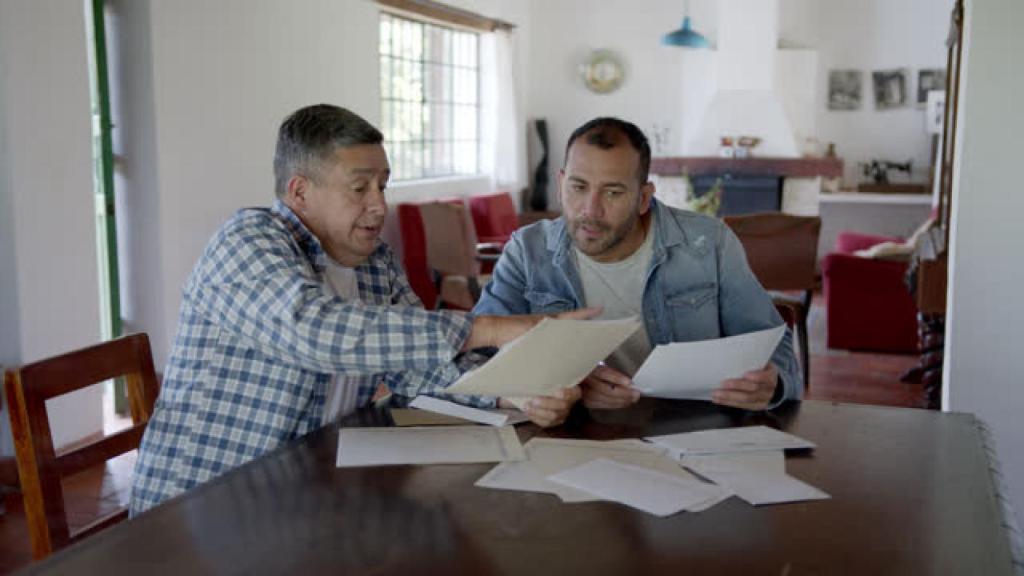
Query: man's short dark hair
{"x": 309, "y": 136}
{"x": 606, "y": 132}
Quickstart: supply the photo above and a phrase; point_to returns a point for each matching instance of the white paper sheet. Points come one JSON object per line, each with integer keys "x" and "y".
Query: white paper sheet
{"x": 642, "y": 488}
{"x": 725, "y": 440}
{"x": 757, "y": 477}
{"x": 759, "y": 489}
{"x": 692, "y": 370}
{"x": 546, "y": 456}
{"x": 555, "y": 354}
{"x": 427, "y": 445}
{"x": 763, "y": 462}
{"x": 490, "y": 417}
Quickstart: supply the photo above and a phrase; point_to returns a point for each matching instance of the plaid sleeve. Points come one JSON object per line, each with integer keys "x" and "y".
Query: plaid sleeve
{"x": 254, "y": 281}
{"x": 432, "y": 382}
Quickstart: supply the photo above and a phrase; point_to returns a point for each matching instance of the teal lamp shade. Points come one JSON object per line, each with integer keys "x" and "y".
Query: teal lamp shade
{"x": 686, "y": 37}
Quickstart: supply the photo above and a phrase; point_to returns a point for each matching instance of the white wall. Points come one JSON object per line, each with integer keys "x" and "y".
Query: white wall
{"x": 877, "y": 35}
{"x": 666, "y": 86}
{"x": 984, "y": 365}
{"x": 47, "y": 195}
{"x": 563, "y": 33}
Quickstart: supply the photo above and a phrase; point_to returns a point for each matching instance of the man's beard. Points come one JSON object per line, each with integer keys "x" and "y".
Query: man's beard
{"x": 612, "y": 236}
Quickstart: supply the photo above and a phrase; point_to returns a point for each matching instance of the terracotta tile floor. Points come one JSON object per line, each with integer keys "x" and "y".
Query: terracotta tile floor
{"x": 835, "y": 375}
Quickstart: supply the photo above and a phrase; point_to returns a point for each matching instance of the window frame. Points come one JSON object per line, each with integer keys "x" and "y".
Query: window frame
{"x": 440, "y": 157}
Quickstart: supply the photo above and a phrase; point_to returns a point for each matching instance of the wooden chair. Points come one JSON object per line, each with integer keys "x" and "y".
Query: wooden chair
{"x": 453, "y": 253}
{"x": 40, "y": 468}
{"x": 782, "y": 250}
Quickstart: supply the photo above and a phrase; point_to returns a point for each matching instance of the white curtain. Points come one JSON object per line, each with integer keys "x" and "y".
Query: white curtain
{"x": 501, "y": 143}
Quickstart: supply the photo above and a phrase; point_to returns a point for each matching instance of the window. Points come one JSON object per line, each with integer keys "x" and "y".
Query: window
{"x": 430, "y": 98}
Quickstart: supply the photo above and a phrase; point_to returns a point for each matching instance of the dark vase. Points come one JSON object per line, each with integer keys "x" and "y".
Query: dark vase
{"x": 539, "y": 194}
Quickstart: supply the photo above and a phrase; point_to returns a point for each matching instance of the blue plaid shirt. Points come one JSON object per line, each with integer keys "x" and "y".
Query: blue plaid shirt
{"x": 260, "y": 337}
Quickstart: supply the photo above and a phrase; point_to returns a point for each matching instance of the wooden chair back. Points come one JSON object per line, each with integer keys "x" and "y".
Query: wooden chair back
{"x": 40, "y": 467}
{"x": 782, "y": 249}
{"x": 450, "y": 238}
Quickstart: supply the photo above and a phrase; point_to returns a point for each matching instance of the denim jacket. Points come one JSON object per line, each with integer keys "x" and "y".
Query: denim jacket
{"x": 698, "y": 286}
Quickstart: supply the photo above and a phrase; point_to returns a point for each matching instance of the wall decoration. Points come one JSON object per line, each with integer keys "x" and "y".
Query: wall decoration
{"x": 890, "y": 88}
{"x": 602, "y": 72}
{"x": 539, "y": 192}
{"x": 845, "y": 89}
{"x": 928, "y": 80}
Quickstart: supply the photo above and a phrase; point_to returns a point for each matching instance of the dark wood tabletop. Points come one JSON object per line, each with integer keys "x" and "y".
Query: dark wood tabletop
{"x": 911, "y": 494}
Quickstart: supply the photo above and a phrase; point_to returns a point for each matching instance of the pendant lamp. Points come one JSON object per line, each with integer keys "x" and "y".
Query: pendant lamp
{"x": 685, "y": 36}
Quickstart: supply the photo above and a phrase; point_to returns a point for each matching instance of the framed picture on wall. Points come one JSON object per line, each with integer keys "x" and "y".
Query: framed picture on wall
{"x": 929, "y": 79}
{"x": 845, "y": 89}
{"x": 890, "y": 88}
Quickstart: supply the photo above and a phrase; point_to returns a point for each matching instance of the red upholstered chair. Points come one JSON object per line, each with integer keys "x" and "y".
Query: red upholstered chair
{"x": 414, "y": 254}
{"x": 494, "y": 217}
{"x": 868, "y": 304}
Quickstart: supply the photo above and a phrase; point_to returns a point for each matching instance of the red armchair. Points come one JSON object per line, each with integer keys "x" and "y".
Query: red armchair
{"x": 867, "y": 302}
{"x": 494, "y": 217}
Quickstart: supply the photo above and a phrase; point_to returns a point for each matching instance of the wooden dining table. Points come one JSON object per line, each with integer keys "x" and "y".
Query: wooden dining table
{"x": 911, "y": 493}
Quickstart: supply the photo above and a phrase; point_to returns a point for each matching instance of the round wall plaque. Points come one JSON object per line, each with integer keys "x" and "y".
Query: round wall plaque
{"x": 602, "y": 72}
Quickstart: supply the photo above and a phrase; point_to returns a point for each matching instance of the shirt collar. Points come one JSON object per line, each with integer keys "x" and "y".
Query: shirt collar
{"x": 309, "y": 243}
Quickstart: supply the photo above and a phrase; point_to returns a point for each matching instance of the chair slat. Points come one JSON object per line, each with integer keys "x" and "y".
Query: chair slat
{"x": 100, "y": 451}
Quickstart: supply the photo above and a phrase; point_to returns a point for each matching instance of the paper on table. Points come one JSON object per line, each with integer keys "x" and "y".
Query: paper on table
{"x": 642, "y": 488}
{"x": 555, "y": 354}
{"x": 757, "y": 477}
{"x": 491, "y": 417}
{"x": 429, "y": 445}
{"x": 759, "y": 489}
{"x": 692, "y": 370}
{"x": 546, "y": 456}
{"x": 763, "y": 462}
{"x": 723, "y": 440}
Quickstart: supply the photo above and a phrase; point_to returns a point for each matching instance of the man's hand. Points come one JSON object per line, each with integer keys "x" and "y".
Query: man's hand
{"x": 752, "y": 391}
{"x": 607, "y": 388}
{"x": 497, "y": 330}
{"x": 547, "y": 411}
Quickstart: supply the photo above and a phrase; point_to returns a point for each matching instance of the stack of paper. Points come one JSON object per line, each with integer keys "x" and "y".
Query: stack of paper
{"x": 548, "y": 457}
{"x": 642, "y": 488}
{"x": 748, "y": 462}
{"x": 726, "y": 440}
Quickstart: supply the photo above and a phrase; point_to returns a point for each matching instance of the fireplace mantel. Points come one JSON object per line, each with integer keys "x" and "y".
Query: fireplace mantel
{"x": 783, "y": 167}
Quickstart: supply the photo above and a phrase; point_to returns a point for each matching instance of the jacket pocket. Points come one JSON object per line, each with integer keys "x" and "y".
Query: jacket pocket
{"x": 547, "y": 302}
{"x": 693, "y": 297}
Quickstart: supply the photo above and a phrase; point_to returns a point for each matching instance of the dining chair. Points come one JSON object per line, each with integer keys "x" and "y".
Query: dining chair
{"x": 414, "y": 254}
{"x": 453, "y": 253}
{"x": 494, "y": 219}
{"x": 40, "y": 466}
{"x": 782, "y": 250}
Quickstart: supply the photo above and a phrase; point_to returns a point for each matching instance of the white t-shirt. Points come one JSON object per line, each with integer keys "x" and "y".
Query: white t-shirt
{"x": 618, "y": 287}
{"x": 341, "y": 393}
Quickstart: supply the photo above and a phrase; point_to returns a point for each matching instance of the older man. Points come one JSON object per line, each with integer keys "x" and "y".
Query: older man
{"x": 616, "y": 247}
{"x": 295, "y": 314}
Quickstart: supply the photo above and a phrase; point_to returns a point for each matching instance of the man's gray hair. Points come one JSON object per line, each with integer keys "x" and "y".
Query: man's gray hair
{"x": 309, "y": 136}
